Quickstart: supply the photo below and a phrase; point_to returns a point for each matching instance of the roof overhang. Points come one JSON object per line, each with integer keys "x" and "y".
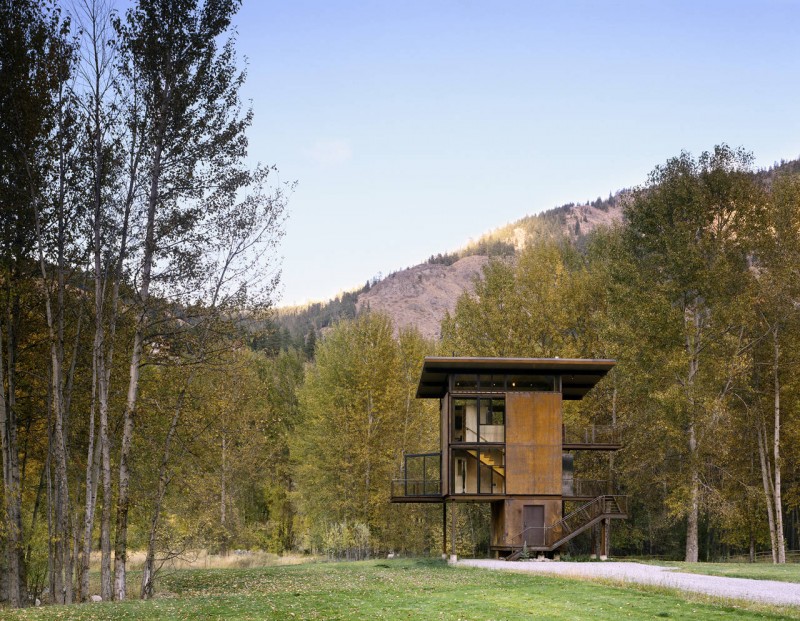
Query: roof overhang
{"x": 578, "y": 375}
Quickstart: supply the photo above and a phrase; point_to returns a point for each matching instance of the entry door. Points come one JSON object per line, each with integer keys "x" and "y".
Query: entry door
{"x": 533, "y": 519}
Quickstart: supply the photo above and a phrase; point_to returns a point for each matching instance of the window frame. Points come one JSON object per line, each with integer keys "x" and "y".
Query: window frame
{"x": 477, "y": 398}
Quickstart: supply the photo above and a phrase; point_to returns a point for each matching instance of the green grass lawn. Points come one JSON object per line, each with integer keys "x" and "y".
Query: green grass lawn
{"x": 398, "y": 589}
{"x": 789, "y": 572}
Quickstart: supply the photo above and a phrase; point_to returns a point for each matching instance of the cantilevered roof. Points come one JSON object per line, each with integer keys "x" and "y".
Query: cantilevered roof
{"x": 578, "y": 376}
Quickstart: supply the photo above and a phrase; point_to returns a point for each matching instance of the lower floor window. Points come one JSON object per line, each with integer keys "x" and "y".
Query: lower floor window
{"x": 479, "y": 470}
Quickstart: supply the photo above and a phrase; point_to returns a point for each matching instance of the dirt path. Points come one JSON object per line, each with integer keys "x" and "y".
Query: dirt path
{"x": 768, "y": 591}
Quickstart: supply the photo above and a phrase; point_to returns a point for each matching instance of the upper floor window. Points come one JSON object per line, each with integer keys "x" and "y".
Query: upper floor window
{"x": 532, "y": 383}
{"x": 485, "y": 383}
{"x": 478, "y": 419}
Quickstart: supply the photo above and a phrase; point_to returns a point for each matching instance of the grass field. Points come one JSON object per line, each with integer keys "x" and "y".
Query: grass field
{"x": 398, "y": 589}
{"x": 789, "y": 572}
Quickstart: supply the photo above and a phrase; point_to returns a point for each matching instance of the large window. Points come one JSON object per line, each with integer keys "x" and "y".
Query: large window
{"x": 478, "y": 419}
{"x": 479, "y": 471}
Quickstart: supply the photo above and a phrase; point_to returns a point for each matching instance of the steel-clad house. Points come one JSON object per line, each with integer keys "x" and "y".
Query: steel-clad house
{"x": 503, "y": 441}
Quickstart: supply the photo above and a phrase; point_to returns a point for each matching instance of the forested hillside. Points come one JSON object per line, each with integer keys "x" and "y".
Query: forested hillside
{"x": 694, "y": 291}
{"x": 410, "y": 297}
{"x": 697, "y": 296}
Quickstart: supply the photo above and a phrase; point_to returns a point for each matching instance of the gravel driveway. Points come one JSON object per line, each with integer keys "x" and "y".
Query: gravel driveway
{"x": 769, "y": 591}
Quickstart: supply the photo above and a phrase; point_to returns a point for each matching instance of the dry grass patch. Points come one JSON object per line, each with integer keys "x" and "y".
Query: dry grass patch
{"x": 202, "y": 559}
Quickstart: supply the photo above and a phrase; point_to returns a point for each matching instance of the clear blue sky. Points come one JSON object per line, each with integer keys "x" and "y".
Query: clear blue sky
{"x": 413, "y": 126}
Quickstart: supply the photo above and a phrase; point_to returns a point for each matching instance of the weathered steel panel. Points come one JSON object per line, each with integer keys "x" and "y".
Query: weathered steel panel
{"x": 533, "y": 443}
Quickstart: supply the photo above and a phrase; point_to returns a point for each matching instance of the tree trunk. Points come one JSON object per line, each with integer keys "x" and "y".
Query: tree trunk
{"x": 92, "y": 480}
{"x": 50, "y": 555}
{"x": 92, "y": 454}
{"x": 766, "y": 479}
{"x": 776, "y": 447}
{"x": 149, "y": 570}
{"x": 62, "y": 580}
{"x": 105, "y": 361}
{"x": 692, "y": 521}
{"x": 123, "y": 500}
{"x": 75, "y": 555}
{"x": 693, "y": 338}
{"x": 93, "y": 14}
{"x": 223, "y": 501}
{"x": 11, "y": 480}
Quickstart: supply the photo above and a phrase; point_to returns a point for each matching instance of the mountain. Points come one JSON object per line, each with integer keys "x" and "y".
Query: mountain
{"x": 421, "y": 295}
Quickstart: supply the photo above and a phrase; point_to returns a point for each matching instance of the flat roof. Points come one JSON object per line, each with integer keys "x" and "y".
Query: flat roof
{"x": 578, "y": 375}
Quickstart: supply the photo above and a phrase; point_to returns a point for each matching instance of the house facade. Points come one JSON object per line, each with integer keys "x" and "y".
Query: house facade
{"x": 504, "y": 442}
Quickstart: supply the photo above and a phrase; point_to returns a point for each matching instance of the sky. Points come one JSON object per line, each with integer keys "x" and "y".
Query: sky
{"x": 412, "y": 127}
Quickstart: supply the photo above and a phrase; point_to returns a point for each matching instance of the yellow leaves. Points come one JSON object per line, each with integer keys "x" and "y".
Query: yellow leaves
{"x": 542, "y": 306}
{"x": 355, "y": 403}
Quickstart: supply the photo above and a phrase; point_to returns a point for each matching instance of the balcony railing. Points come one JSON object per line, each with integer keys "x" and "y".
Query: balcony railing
{"x": 607, "y": 435}
{"x": 586, "y": 488}
{"x": 414, "y": 488}
{"x": 421, "y": 476}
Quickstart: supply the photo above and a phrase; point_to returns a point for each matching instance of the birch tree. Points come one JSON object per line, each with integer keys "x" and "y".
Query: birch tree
{"x": 542, "y": 305}
{"x": 242, "y": 278}
{"x": 192, "y": 132}
{"x": 776, "y": 302}
{"x": 354, "y": 412}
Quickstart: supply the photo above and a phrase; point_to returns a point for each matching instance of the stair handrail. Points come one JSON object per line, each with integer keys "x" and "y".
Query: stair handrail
{"x": 484, "y": 462}
{"x": 481, "y": 439}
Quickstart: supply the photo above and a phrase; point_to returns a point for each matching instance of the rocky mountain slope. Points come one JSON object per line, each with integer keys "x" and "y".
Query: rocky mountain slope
{"x": 421, "y": 295}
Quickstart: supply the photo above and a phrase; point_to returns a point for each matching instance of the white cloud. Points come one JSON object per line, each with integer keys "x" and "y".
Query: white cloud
{"x": 329, "y": 154}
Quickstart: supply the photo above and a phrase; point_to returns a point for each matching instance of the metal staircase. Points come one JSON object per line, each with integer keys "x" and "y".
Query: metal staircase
{"x": 607, "y": 506}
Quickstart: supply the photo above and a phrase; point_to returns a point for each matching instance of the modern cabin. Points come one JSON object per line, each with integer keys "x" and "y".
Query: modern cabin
{"x": 504, "y": 442}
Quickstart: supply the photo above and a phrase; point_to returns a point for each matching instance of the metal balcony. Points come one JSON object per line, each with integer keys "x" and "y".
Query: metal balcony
{"x": 421, "y": 480}
{"x": 416, "y": 490}
{"x": 596, "y": 437}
